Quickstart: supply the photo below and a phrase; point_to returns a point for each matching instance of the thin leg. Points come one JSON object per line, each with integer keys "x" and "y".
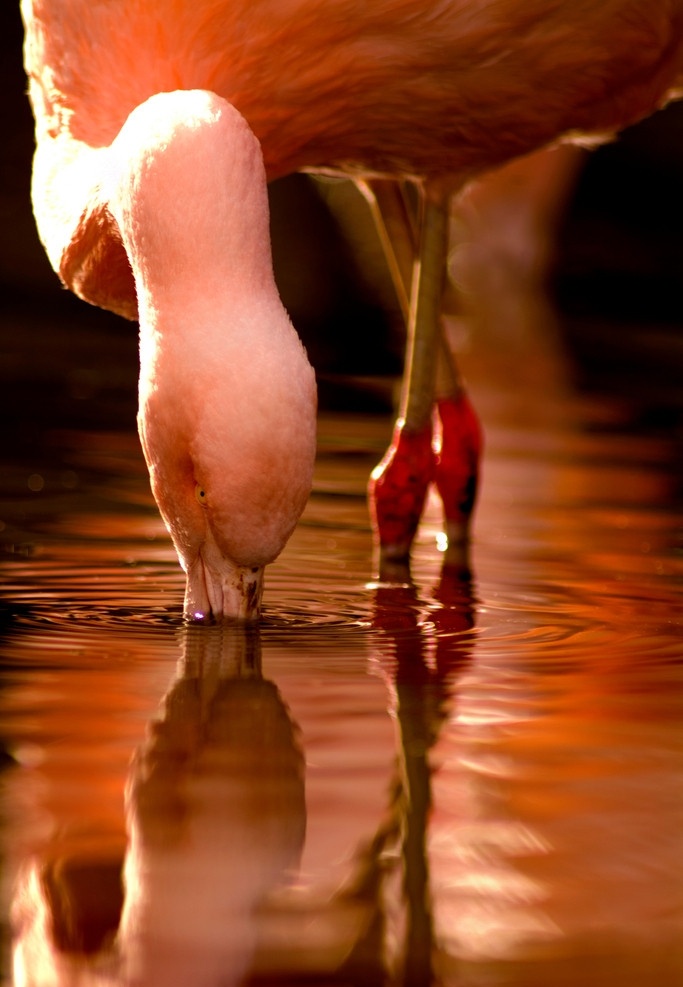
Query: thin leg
{"x": 416, "y": 248}
{"x": 397, "y": 219}
{"x": 419, "y": 379}
{"x": 456, "y": 470}
{"x": 457, "y": 444}
{"x": 398, "y": 486}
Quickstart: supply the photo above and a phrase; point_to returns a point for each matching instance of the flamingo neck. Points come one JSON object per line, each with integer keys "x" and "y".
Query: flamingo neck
{"x": 227, "y": 396}
{"x": 190, "y": 201}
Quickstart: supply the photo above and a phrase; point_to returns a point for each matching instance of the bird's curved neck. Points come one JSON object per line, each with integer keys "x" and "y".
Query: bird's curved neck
{"x": 189, "y": 195}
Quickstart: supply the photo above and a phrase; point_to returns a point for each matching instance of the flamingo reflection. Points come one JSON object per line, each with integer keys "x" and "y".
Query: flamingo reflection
{"x": 215, "y": 817}
{"x": 526, "y": 827}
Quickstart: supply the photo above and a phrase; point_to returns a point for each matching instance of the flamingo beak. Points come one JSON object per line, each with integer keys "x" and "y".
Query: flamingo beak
{"x": 217, "y": 589}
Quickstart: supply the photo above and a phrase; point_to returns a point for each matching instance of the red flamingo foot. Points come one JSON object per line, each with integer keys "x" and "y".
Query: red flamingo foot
{"x": 398, "y": 487}
{"x": 457, "y": 464}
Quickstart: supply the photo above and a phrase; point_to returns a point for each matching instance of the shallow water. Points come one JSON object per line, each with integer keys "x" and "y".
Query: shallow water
{"x": 472, "y": 778}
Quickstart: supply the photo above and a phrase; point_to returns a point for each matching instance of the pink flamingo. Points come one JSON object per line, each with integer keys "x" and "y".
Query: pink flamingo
{"x": 157, "y": 125}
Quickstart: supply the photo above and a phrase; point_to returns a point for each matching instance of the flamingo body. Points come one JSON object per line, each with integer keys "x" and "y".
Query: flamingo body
{"x": 149, "y": 194}
{"x": 439, "y": 90}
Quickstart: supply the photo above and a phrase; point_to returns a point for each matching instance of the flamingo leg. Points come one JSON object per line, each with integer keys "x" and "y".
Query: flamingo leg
{"x": 399, "y": 484}
{"x": 397, "y": 221}
{"x": 433, "y": 399}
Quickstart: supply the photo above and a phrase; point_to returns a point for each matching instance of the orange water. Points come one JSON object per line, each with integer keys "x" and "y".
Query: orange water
{"x": 472, "y": 779}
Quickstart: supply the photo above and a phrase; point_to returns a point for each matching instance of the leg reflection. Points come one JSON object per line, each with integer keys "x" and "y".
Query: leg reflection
{"x": 425, "y": 645}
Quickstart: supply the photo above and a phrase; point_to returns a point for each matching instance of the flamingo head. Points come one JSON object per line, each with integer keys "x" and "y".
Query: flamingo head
{"x": 231, "y": 474}
{"x": 227, "y": 396}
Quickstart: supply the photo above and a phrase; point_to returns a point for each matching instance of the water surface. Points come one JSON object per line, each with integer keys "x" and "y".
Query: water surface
{"x": 473, "y": 776}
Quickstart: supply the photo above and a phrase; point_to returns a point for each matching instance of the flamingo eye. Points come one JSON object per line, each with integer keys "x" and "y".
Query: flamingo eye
{"x": 200, "y": 494}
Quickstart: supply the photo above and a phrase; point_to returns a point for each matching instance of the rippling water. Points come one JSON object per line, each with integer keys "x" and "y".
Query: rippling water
{"x": 471, "y": 778}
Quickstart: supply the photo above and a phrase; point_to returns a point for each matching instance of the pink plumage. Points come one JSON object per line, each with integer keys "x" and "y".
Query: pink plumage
{"x": 425, "y": 90}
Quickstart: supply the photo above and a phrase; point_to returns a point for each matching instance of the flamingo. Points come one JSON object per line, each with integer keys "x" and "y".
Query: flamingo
{"x": 158, "y": 124}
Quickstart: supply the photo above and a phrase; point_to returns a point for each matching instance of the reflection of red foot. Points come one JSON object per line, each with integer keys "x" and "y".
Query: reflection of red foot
{"x": 457, "y": 464}
{"x": 398, "y": 487}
